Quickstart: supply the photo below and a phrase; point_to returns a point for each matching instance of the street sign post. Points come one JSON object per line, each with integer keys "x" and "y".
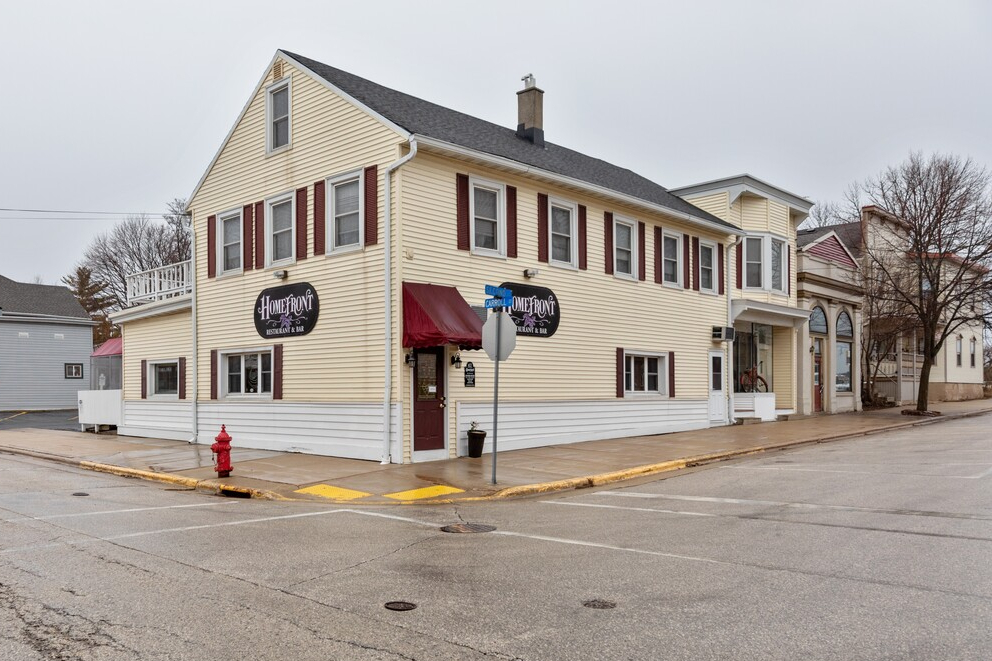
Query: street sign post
{"x": 499, "y": 338}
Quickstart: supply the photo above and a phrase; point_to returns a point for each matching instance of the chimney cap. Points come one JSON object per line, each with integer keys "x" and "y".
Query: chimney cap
{"x": 529, "y": 81}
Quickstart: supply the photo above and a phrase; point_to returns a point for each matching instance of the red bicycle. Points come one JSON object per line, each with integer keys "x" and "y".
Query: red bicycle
{"x": 752, "y": 382}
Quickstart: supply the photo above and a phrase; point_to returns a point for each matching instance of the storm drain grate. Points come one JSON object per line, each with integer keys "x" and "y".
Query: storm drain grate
{"x": 468, "y": 527}
{"x": 400, "y": 605}
{"x": 599, "y": 604}
{"x": 80, "y": 493}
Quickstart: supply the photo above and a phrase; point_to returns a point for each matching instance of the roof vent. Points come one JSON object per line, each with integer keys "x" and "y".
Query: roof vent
{"x": 277, "y": 70}
{"x": 530, "y": 111}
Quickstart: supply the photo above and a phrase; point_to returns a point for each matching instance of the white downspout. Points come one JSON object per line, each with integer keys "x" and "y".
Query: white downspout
{"x": 730, "y": 322}
{"x": 192, "y": 268}
{"x": 388, "y": 276}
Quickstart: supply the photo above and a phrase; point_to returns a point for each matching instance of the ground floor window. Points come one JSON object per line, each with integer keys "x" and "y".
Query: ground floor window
{"x": 844, "y": 366}
{"x": 645, "y": 373}
{"x": 164, "y": 378}
{"x": 73, "y": 370}
{"x": 248, "y": 373}
{"x": 753, "y": 347}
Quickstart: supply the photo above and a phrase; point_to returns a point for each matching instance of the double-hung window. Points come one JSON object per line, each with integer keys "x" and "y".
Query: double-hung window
{"x": 278, "y": 126}
{"x": 645, "y": 373}
{"x": 707, "y": 267}
{"x": 624, "y": 248}
{"x": 765, "y": 259}
{"x": 973, "y": 343}
{"x": 281, "y": 233}
{"x": 672, "y": 251}
{"x": 778, "y": 264}
{"x": 958, "y": 347}
{"x": 488, "y": 218}
{"x": 248, "y": 374}
{"x": 562, "y": 230}
{"x": 163, "y": 378}
{"x": 344, "y": 213}
{"x": 753, "y": 262}
{"x": 230, "y": 243}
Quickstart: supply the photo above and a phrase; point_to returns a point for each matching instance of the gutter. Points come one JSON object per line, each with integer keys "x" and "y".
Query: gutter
{"x": 730, "y": 322}
{"x": 196, "y": 354}
{"x": 388, "y": 298}
{"x": 46, "y": 318}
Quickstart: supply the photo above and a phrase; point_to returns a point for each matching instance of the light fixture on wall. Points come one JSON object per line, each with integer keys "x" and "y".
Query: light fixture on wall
{"x": 410, "y": 359}
{"x": 281, "y": 274}
{"x": 456, "y": 360}
{"x": 531, "y": 273}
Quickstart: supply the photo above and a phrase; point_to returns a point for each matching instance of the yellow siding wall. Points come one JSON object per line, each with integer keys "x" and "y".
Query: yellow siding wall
{"x": 156, "y": 338}
{"x": 715, "y": 203}
{"x": 784, "y": 366}
{"x": 342, "y": 359}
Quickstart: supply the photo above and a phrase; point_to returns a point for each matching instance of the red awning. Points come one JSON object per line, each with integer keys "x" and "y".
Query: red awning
{"x": 112, "y": 347}
{"x": 435, "y": 315}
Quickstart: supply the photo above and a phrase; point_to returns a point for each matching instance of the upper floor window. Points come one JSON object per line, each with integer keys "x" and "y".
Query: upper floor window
{"x": 624, "y": 248}
{"x": 230, "y": 243}
{"x": 818, "y": 321}
{"x": 778, "y": 264}
{"x": 278, "y": 122}
{"x": 488, "y": 218}
{"x": 973, "y": 347}
{"x": 764, "y": 263}
{"x": 345, "y": 212}
{"x": 959, "y": 348}
{"x": 562, "y": 230}
{"x": 753, "y": 267}
{"x": 671, "y": 272}
{"x": 707, "y": 267}
{"x": 280, "y": 230}
{"x": 73, "y": 370}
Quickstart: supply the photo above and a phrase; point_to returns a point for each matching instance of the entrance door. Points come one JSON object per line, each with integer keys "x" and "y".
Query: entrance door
{"x": 718, "y": 399}
{"x": 429, "y": 413}
{"x": 817, "y": 375}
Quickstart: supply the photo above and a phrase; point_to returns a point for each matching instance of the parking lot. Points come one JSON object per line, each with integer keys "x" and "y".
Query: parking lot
{"x": 65, "y": 419}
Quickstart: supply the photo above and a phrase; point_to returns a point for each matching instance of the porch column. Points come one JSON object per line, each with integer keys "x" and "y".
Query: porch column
{"x": 804, "y": 364}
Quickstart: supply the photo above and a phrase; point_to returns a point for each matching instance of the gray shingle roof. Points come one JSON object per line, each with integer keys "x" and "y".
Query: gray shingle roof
{"x": 434, "y": 121}
{"x": 27, "y": 298}
{"x": 848, "y": 233}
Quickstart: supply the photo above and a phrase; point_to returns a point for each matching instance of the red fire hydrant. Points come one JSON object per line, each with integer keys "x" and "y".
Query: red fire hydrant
{"x": 222, "y": 448}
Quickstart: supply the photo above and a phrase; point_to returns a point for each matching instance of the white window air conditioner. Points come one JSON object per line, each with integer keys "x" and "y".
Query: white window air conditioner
{"x": 723, "y": 334}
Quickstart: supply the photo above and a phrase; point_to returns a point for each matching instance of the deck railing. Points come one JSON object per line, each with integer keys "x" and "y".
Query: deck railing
{"x": 160, "y": 283}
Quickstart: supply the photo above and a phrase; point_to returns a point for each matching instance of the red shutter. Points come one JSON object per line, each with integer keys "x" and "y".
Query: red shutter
{"x": 247, "y": 236}
{"x": 211, "y": 247}
{"x": 372, "y": 205}
{"x": 608, "y": 240}
{"x": 277, "y": 371}
{"x": 542, "y": 227}
{"x": 671, "y": 374}
{"x": 686, "y": 256}
{"x": 740, "y": 265}
{"x": 511, "y": 221}
{"x": 144, "y": 379}
{"x": 213, "y": 374}
{"x": 461, "y": 189}
{"x": 620, "y": 372}
{"x": 182, "y": 378}
{"x": 260, "y": 235}
{"x": 583, "y": 262}
{"x": 658, "y": 244}
{"x": 319, "y": 222}
{"x": 788, "y": 272}
{"x": 642, "y": 252}
{"x": 301, "y": 223}
{"x": 719, "y": 262}
{"x": 695, "y": 263}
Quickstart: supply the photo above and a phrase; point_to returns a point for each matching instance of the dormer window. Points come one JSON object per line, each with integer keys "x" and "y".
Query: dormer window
{"x": 278, "y": 121}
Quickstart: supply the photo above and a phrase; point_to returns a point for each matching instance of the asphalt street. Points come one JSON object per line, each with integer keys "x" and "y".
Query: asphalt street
{"x": 870, "y": 548}
{"x": 62, "y": 419}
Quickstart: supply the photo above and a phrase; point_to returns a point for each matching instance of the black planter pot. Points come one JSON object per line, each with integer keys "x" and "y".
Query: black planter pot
{"x": 476, "y": 439}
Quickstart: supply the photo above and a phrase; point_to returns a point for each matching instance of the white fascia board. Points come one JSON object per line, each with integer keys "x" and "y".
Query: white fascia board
{"x": 778, "y": 315}
{"x": 46, "y": 318}
{"x": 516, "y": 166}
{"x": 168, "y": 306}
{"x": 745, "y": 183}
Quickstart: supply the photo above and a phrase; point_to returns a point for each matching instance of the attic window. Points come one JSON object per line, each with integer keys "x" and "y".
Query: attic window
{"x": 278, "y": 126}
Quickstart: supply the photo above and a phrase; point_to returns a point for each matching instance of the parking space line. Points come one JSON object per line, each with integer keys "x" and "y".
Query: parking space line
{"x": 11, "y": 417}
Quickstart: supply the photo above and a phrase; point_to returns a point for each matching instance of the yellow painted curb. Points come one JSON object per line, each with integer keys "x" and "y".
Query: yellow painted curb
{"x": 143, "y": 474}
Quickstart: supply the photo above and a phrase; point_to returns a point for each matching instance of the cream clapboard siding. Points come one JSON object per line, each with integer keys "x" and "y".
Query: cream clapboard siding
{"x": 784, "y": 367}
{"x": 714, "y": 203}
{"x": 342, "y": 359}
{"x": 164, "y": 337}
{"x": 599, "y": 312}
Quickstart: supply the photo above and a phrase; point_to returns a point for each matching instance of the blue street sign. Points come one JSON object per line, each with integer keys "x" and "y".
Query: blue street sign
{"x": 499, "y": 302}
{"x": 497, "y": 291}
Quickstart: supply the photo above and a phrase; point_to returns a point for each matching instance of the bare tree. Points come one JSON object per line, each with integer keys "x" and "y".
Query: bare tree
{"x": 888, "y": 319}
{"x": 933, "y": 258}
{"x": 824, "y": 214}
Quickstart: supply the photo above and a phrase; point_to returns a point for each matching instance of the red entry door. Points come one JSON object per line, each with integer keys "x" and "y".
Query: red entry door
{"x": 429, "y": 413}
{"x": 817, "y": 375}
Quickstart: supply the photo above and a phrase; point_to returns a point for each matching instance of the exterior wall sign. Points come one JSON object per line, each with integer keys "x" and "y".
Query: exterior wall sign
{"x": 535, "y": 310}
{"x": 286, "y": 311}
{"x": 469, "y": 375}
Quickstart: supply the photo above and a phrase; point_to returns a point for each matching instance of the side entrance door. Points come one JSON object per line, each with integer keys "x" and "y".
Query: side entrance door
{"x": 718, "y": 398}
{"x": 817, "y": 375}
{"x": 429, "y": 412}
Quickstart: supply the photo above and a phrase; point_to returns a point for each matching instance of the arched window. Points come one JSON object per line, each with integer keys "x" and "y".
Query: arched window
{"x": 844, "y": 326}
{"x": 818, "y": 321}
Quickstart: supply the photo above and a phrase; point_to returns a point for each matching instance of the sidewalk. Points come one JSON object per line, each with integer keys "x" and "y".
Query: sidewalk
{"x": 281, "y": 475}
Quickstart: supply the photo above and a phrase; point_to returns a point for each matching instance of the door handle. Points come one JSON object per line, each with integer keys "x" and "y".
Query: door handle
{"x": 442, "y": 399}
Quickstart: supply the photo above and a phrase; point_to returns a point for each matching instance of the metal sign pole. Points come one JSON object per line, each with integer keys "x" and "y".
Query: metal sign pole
{"x": 496, "y": 394}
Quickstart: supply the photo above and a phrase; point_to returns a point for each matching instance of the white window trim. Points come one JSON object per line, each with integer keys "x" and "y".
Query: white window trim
{"x": 329, "y": 232}
{"x": 269, "y": 218}
{"x": 714, "y": 267}
{"x": 784, "y": 264}
{"x": 766, "y": 263}
{"x": 65, "y": 370}
{"x": 634, "y": 247}
{"x": 573, "y": 211}
{"x": 679, "y": 254}
{"x": 150, "y": 376}
{"x": 221, "y": 371}
{"x": 285, "y": 82}
{"x": 663, "y": 368}
{"x": 500, "y": 189}
{"x": 219, "y": 230}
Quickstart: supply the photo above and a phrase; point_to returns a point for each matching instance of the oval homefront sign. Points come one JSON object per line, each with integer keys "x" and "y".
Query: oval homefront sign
{"x": 535, "y": 310}
{"x": 286, "y": 311}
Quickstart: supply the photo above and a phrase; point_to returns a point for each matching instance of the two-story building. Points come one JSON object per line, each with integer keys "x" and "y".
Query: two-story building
{"x": 344, "y": 234}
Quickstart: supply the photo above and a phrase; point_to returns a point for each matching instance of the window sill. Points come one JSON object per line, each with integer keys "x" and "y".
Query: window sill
{"x": 482, "y": 252}
{"x": 264, "y": 397}
{"x": 630, "y": 394}
{"x": 230, "y": 274}
{"x": 278, "y": 150}
{"x": 709, "y": 292}
{"x": 163, "y": 398}
{"x": 563, "y": 265}
{"x": 672, "y": 285}
{"x": 625, "y": 276}
{"x": 283, "y": 263}
{"x": 344, "y": 250}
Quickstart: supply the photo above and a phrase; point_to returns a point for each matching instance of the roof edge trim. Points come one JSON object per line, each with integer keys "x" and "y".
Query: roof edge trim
{"x": 745, "y": 183}
{"x": 168, "y": 306}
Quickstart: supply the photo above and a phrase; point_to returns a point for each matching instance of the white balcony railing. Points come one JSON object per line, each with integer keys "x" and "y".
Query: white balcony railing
{"x": 160, "y": 283}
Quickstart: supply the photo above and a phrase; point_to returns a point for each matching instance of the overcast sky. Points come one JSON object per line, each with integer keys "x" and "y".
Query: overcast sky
{"x": 120, "y": 106}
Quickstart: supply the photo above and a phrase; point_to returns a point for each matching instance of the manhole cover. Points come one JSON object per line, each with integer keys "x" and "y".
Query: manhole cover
{"x": 600, "y": 604}
{"x": 400, "y": 605}
{"x": 468, "y": 527}
{"x": 80, "y": 493}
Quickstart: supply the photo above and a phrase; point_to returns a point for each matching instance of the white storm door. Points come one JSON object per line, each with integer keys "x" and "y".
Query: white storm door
{"x": 718, "y": 399}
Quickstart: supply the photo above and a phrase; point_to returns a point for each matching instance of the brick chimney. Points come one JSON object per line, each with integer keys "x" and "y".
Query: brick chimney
{"x": 530, "y": 111}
